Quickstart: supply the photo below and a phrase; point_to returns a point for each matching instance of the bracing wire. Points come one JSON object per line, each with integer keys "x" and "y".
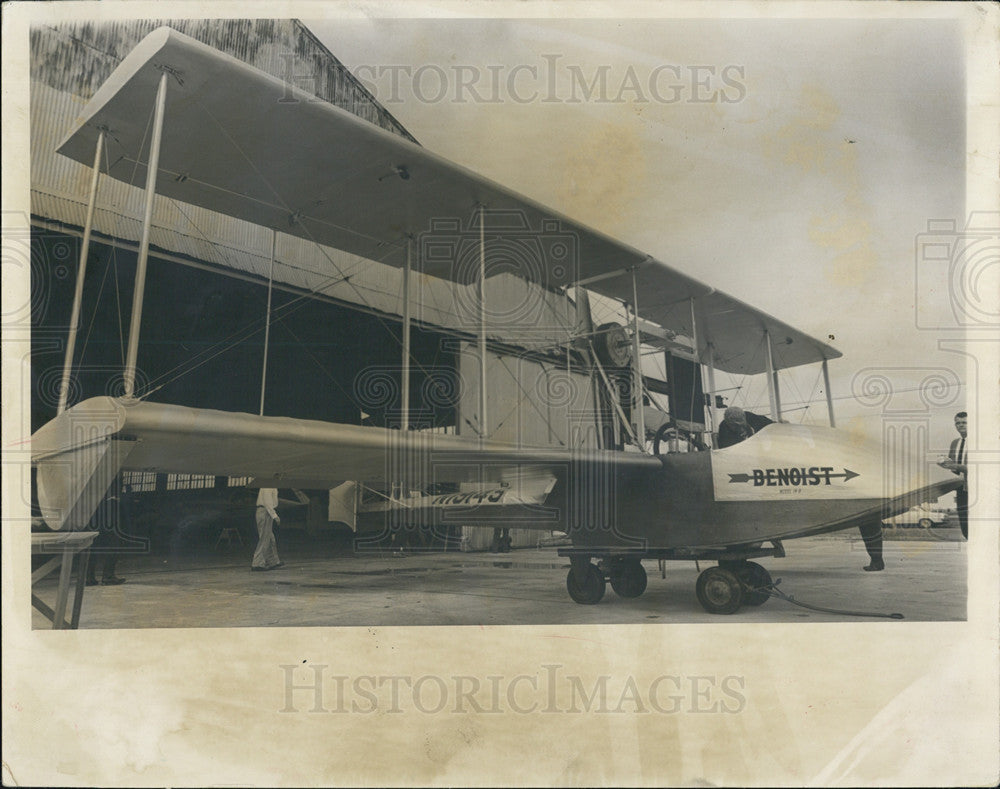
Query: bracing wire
{"x": 118, "y": 304}
{"x": 113, "y": 258}
{"x": 93, "y": 317}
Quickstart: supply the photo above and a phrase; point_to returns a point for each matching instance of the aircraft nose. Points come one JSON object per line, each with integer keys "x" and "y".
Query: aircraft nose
{"x": 812, "y": 463}
{"x": 897, "y": 463}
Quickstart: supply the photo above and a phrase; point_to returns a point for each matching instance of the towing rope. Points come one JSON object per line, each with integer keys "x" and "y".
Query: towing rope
{"x": 774, "y": 591}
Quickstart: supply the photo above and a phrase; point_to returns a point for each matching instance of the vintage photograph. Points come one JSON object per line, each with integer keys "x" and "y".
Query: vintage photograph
{"x": 273, "y": 331}
{"x": 340, "y": 323}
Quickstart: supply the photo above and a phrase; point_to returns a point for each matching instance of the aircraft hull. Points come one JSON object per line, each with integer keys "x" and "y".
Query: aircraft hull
{"x": 786, "y": 481}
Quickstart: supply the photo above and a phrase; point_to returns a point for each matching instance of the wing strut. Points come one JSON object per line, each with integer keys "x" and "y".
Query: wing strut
{"x": 81, "y": 273}
{"x": 772, "y": 379}
{"x": 710, "y": 372}
{"x": 404, "y": 423}
{"x": 611, "y": 392}
{"x": 697, "y": 358}
{"x": 829, "y": 394}
{"x": 640, "y": 417}
{"x": 483, "y": 424}
{"x": 147, "y": 217}
{"x": 267, "y": 323}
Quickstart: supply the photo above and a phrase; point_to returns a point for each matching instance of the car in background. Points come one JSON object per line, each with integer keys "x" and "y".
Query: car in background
{"x": 923, "y": 516}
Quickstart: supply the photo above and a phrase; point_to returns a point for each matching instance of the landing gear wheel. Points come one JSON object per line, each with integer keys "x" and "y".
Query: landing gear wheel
{"x": 628, "y": 579}
{"x": 925, "y": 523}
{"x": 591, "y": 590}
{"x": 756, "y": 581}
{"x": 719, "y": 591}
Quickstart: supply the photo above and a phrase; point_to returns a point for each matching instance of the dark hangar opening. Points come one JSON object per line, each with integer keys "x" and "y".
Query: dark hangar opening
{"x": 202, "y": 343}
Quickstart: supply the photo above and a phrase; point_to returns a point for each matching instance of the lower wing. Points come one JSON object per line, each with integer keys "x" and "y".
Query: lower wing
{"x": 79, "y": 453}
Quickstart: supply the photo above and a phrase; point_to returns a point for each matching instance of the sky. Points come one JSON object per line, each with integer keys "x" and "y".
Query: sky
{"x": 794, "y": 164}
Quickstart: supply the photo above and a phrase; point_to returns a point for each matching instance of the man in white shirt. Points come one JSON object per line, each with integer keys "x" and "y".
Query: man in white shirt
{"x": 266, "y": 555}
{"x": 957, "y": 463}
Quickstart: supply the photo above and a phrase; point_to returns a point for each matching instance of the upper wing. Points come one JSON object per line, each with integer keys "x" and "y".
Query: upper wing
{"x": 288, "y": 452}
{"x": 244, "y": 143}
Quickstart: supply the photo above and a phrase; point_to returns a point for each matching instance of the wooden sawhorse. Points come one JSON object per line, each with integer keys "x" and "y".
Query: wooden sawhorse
{"x": 65, "y": 546}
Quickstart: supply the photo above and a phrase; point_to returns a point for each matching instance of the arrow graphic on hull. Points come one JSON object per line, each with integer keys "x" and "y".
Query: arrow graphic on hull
{"x": 815, "y": 475}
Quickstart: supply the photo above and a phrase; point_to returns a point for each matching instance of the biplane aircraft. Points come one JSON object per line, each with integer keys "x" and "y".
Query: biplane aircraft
{"x": 233, "y": 139}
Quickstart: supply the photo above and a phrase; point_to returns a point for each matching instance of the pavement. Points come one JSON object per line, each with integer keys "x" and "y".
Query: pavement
{"x": 325, "y": 585}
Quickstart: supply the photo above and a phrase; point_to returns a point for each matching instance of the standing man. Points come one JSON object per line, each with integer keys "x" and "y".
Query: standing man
{"x": 265, "y": 557}
{"x": 871, "y": 533}
{"x": 113, "y": 519}
{"x": 501, "y": 540}
{"x": 957, "y": 463}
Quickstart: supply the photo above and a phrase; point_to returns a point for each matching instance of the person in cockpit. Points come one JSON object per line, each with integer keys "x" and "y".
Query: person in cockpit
{"x": 738, "y": 425}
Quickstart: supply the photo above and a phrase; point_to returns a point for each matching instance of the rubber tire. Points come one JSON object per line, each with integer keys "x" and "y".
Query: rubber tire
{"x": 925, "y": 523}
{"x": 753, "y": 577}
{"x": 592, "y": 589}
{"x": 629, "y": 580}
{"x": 719, "y": 591}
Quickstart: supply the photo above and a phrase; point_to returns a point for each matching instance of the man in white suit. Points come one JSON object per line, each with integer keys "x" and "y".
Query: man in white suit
{"x": 265, "y": 557}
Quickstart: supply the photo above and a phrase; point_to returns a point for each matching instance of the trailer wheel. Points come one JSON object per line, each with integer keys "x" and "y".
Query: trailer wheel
{"x": 719, "y": 591}
{"x": 588, "y": 591}
{"x": 756, "y": 581}
{"x": 629, "y": 579}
